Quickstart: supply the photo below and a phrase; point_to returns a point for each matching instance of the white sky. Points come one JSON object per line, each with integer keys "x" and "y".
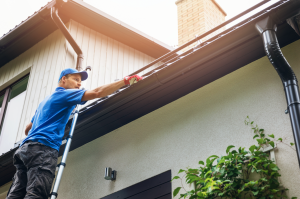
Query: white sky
{"x": 157, "y": 18}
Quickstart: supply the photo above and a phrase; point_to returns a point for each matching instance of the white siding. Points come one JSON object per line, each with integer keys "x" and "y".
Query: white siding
{"x": 109, "y": 59}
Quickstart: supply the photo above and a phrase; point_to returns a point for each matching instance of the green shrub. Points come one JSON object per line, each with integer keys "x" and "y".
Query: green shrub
{"x": 228, "y": 176}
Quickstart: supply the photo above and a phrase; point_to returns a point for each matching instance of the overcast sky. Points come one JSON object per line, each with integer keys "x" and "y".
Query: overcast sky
{"x": 157, "y": 18}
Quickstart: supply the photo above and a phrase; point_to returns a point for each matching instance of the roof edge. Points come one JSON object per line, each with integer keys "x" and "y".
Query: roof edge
{"x": 17, "y": 37}
{"x": 39, "y": 13}
{"x": 117, "y": 21}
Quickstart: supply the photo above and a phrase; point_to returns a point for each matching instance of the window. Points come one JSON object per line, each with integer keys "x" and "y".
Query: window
{"x": 11, "y": 106}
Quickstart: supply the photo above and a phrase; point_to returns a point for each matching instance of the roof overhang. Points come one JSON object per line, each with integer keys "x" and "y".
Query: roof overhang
{"x": 40, "y": 25}
{"x": 199, "y": 69}
{"x": 220, "y": 56}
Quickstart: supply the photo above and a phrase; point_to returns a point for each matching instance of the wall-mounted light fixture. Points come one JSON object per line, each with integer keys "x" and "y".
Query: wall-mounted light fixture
{"x": 110, "y": 174}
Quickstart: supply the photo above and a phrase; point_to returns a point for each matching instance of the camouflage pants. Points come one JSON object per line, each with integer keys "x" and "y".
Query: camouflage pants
{"x": 35, "y": 164}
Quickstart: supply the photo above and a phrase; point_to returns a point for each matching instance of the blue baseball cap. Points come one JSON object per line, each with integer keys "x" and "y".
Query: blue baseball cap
{"x": 84, "y": 74}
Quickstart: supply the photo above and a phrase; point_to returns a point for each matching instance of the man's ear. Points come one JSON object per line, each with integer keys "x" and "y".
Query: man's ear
{"x": 63, "y": 79}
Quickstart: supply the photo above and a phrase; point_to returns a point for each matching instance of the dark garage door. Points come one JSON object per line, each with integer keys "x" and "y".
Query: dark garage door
{"x": 158, "y": 187}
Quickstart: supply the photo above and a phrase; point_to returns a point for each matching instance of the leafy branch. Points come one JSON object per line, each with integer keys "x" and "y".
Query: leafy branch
{"x": 263, "y": 141}
{"x": 228, "y": 176}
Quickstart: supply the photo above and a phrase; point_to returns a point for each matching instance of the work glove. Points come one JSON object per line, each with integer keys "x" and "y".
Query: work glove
{"x": 129, "y": 80}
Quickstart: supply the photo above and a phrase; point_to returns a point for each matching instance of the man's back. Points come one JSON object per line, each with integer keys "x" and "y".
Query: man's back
{"x": 51, "y": 116}
{"x": 36, "y": 159}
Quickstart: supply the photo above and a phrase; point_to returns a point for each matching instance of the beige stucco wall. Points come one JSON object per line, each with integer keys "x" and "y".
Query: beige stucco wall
{"x": 4, "y": 189}
{"x": 187, "y": 130}
{"x": 190, "y": 129}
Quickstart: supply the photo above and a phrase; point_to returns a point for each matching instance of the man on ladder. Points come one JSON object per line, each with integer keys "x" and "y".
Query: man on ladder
{"x": 36, "y": 158}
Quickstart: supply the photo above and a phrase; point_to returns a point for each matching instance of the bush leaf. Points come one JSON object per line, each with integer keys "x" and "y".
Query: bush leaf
{"x": 260, "y": 141}
{"x": 228, "y": 148}
{"x": 252, "y": 148}
{"x": 176, "y": 177}
{"x": 271, "y": 136}
{"x": 256, "y": 136}
{"x": 176, "y": 191}
{"x": 208, "y": 161}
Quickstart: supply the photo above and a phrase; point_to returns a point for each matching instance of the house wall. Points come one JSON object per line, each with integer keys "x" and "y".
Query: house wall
{"x": 110, "y": 60}
{"x": 190, "y": 129}
{"x": 43, "y": 61}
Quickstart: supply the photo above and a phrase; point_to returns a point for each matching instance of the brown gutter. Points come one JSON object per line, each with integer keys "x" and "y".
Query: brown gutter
{"x": 68, "y": 36}
{"x": 170, "y": 55}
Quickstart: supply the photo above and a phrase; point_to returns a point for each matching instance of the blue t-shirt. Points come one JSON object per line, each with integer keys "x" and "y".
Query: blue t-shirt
{"x": 51, "y": 117}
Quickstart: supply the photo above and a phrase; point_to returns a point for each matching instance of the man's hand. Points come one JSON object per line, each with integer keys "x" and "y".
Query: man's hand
{"x": 129, "y": 80}
{"x": 27, "y": 129}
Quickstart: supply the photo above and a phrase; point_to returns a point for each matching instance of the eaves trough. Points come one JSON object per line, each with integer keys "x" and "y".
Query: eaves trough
{"x": 219, "y": 56}
{"x": 198, "y": 67}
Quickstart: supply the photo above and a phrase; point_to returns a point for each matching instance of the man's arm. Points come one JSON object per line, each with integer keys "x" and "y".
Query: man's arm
{"x": 102, "y": 91}
{"x": 108, "y": 89}
{"x": 27, "y": 129}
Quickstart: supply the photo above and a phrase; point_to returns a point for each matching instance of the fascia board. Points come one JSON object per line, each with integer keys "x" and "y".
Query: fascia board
{"x": 114, "y": 28}
{"x": 203, "y": 66}
{"x": 124, "y": 25}
{"x": 195, "y": 71}
{"x": 93, "y": 123}
{"x": 26, "y": 26}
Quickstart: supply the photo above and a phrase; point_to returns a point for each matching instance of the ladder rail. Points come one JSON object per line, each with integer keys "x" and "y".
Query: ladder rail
{"x": 62, "y": 164}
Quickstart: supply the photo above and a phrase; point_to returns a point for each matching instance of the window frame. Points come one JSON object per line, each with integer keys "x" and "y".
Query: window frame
{"x": 7, "y": 92}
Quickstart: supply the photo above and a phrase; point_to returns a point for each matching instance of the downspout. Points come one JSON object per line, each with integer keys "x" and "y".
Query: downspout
{"x": 68, "y": 36}
{"x": 267, "y": 29}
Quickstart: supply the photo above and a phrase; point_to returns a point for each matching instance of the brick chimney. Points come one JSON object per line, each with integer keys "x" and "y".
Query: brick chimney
{"x": 196, "y": 17}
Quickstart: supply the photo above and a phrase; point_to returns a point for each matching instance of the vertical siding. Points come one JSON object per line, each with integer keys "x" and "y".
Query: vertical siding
{"x": 46, "y": 61}
{"x": 116, "y": 59}
{"x": 110, "y": 60}
{"x": 104, "y": 51}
